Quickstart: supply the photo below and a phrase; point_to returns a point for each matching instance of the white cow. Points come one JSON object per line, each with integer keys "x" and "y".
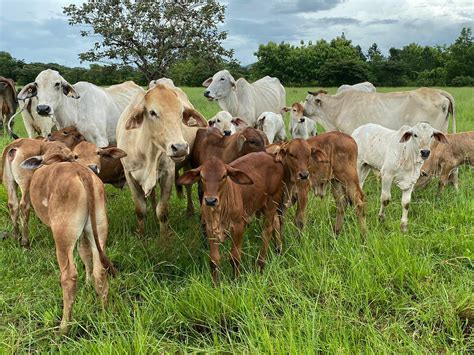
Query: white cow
{"x": 243, "y": 99}
{"x": 34, "y": 123}
{"x": 93, "y": 110}
{"x": 223, "y": 121}
{"x": 272, "y": 125}
{"x": 398, "y": 155}
{"x": 351, "y": 109}
{"x": 365, "y": 87}
{"x": 300, "y": 126}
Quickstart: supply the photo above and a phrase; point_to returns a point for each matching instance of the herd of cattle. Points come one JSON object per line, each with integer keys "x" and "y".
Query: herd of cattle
{"x": 241, "y": 159}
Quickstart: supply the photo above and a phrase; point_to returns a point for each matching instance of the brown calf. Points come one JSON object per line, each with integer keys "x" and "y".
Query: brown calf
{"x": 69, "y": 136}
{"x": 82, "y": 214}
{"x": 445, "y": 158}
{"x": 341, "y": 171}
{"x": 233, "y": 193}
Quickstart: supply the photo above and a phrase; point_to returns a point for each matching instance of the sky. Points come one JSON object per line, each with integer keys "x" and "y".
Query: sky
{"x": 36, "y": 30}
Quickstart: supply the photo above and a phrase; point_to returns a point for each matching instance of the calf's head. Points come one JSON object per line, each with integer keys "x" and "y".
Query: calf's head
{"x": 214, "y": 175}
{"x": 50, "y": 88}
{"x": 421, "y": 137}
{"x": 223, "y": 121}
{"x": 219, "y": 86}
{"x": 250, "y": 140}
{"x": 89, "y": 155}
{"x": 70, "y": 136}
{"x": 160, "y": 114}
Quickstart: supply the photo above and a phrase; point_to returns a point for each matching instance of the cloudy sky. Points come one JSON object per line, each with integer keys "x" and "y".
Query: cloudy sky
{"x": 36, "y": 30}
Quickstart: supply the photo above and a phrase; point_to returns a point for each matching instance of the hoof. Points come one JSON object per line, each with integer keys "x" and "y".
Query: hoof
{"x": 404, "y": 228}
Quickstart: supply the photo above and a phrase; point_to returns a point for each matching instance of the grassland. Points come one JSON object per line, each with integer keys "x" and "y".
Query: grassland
{"x": 391, "y": 292}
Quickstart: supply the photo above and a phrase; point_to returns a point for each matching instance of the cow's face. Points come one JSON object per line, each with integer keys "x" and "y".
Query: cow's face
{"x": 70, "y": 136}
{"x": 89, "y": 155}
{"x": 312, "y": 105}
{"x": 161, "y": 113}
{"x": 50, "y": 88}
{"x": 250, "y": 140}
{"x": 219, "y": 86}
{"x": 421, "y": 137}
{"x": 223, "y": 121}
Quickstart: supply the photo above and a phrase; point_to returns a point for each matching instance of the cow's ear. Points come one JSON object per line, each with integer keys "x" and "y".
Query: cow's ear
{"x": 189, "y": 112}
{"x": 238, "y": 176}
{"x": 319, "y": 155}
{"x": 112, "y": 152}
{"x": 318, "y": 102}
{"x": 136, "y": 117}
{"x": 28, "y": 91}
{"x": 234, "y": 87}
{"x": 79, "y": 137}
{"x": 406, "y": 137}
{"x": 281, "y": 154}
{"x": 189, "y": 177}
{"x": 273, "y": 149}
{"x": 211, "y": 122}
{"x": 69, "y": 90}
{"x": 207, "y": 82}
{"x": 240, "y": 142}
{"x": 32, "y": 162}
{"x": 237, "y": 121}
{"x": 284, "y": 110}
{"x": 440, "y": 137}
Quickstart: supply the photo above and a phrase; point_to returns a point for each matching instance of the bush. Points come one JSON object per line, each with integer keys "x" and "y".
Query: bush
{"x": 462, "y": 81}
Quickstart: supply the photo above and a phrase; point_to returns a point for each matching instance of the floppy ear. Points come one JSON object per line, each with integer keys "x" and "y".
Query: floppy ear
{"x": 207, "y": 82}
{"x": 237, "y": 121}
{"x": 189, "y": 177}
{"x": 211, "y": 122}
{"x": 32, "y": 162}
{"x": 112, "y": 152}
{"x": 240, "y": 142}
{"x": 406, "y": 137}
{"x": 189, "y": 112}
{"x": 233, "y": 85}
{"x": 238, "y": 176}
{"x": 319, "y": 155}
{"x": 281, "y": 154}
{"x": 318, "y": 102}
{"x": 440, "y": 137}
{"x": 273, "y": 149}
{"x": 28, "y": 91}
{"x": 284, "y": 110}
{"x": 69, "y": 90}
{"x": 136, "y": 117}
{"x": 79, "y": 137}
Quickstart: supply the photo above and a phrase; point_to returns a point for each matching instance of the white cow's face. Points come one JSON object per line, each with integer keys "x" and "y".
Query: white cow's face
{"x": 219, "y": 86}
{"x": 49, "y": 88}
{"x": 421, "y": 137}
{"x": 312, "y": 105}
{"x": 223, "y": 121}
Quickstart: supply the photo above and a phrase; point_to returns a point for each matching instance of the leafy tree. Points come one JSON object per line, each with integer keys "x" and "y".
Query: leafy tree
{"x": 461, "y": 58}
{"x": 374, "y": 54}
{"x": 153, "y": 35}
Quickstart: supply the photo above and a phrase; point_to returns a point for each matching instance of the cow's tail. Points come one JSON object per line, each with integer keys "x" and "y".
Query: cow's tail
{"x": 10, "y": 124}
{"x": 88, "y": 184}
{"x": 451, "y": 108}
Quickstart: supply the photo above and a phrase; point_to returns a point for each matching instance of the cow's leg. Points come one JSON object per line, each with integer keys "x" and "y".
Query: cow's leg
{"x": 65, "y": 240}
{"x": 166, "y": 184}
{"x": 386, "y": 195}
{"x": 356, "y": 197}
{"x": 189, "y": 197}
{"x": 236, "y": 251}
{"x": 269, "y": 215}
{"x": 11, "y": 187}
{"x": 215, "y": 257}
{"x": 445, "y": 178}
{"x": 341, "y": 202}
{"x": 362, "y": 171}
{"x": 302, "y": 202}
{"x": 85, "y": 253}
{"x": 406, "y": 198}
{"x": 140, "y": 203}
{"x": 98, "y": 270}
{"x": 24, "y": 218}
{"x": 152, "y": 198}
{"x": 454, "y": 178}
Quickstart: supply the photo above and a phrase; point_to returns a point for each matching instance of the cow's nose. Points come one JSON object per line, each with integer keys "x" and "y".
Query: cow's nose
{"x": 301, "y": 120}
{"x": 49, "y": 136}
{"x": 210, "y": 201}
{"x": 94, "y": 168}
{"x": 206, "y": 93}
{"x": 227, "y": 133}
{"x": 43, "y": 109}
{"x": 179, "y": 149}
{"x": 303, "y": 175}
{"x": 425, "y": 153}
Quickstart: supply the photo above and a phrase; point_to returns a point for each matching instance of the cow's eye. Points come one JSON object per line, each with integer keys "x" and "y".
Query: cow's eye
{"x": 98, "y": 152}
{"x": 76, "y": 156}
{"x": 251, "y": 141}
{"x": 65, "y": 133}
{"x": 415, "y": 136}
{"x": 292, "y": 155}
{"x": 153, "y": 113}
{"x": 222, "y": 79}
{"x": 57, "y": 85}
{"x": 218, "y": 121}
{"x": 224, "y": 176}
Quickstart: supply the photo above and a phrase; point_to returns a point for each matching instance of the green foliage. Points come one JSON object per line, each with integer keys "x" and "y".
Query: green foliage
{"x": 153, "y": 35}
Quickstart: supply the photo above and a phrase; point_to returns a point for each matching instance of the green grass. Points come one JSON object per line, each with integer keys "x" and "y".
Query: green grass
{"x": 392, "y": 292}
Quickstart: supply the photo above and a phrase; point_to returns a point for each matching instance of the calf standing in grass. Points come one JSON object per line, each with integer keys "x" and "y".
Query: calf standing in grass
{"x": 70, "y": 199}
{"x": 445, "y": 158}
{"x": 273, "y": 126}
{"x": 300, "y": 126}
{"x": 398, "y": 155}
{"x": 233, "y": 193}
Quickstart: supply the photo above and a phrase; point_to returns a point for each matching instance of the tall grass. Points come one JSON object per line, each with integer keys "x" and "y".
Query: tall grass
{"x": 389, "y": 292}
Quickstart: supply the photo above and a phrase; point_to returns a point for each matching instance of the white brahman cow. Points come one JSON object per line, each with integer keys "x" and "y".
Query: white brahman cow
{"x": 300, "y": 126}
{"x": 94, "y": 111}
{"x": 365, "y": 87}
{"x": 272, "y": 125}
{"x": 243, "y": 99}
{"x": 398, "y": 155}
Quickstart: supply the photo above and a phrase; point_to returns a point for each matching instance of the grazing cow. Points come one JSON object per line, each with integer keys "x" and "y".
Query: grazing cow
{"x": 273, "y": 126}
{"x": 35, "y": 124}
{"x": 92, "y": 109}
{"x": 398, "y": 155}
{"x": 300, "y": 126}
{"x": 82, "y": 215}
{"x": 8, "y": 101}
{"x": 233, "y": 193}
{"x": 352, "y": 109}
{"x": 365, "y": 87}
{"x": 223, "y": 121}
{"x": 245, "y": 100}
{"x": 151, "y": 131}
{"x": 445, "y": 158}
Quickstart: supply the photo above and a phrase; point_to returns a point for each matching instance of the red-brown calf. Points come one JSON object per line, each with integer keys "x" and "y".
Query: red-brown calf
{"x": 233, "y": 193}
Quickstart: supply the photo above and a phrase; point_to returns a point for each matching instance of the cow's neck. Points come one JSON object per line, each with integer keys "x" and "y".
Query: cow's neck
{"x": 332, "y": 108}
{"x": 66, "y": 114}
{"x": 230, "y": 103}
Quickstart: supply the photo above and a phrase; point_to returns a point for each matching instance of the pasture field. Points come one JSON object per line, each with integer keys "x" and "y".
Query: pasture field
{"x": 390, "y": 292}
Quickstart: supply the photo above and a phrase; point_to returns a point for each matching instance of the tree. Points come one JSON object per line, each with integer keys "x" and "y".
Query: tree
{"x": 153, "y": 35}
{"x": 374, "y": 54}
{"x": 461, "y": 58}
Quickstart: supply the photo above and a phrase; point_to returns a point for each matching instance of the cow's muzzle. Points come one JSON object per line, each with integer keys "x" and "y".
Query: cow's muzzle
{"x": 301, "y": 120}
{"x": 207, "y": 94}
{"x": 227, "y": 133}
{"x": 178, "y": 151}
{"x": 425, "y": 153}
{"x": 43, "y": 110}
{"x": 94, "y": 168}
{"x": 211, "y": 201}
{"x": 303, "y": 175}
